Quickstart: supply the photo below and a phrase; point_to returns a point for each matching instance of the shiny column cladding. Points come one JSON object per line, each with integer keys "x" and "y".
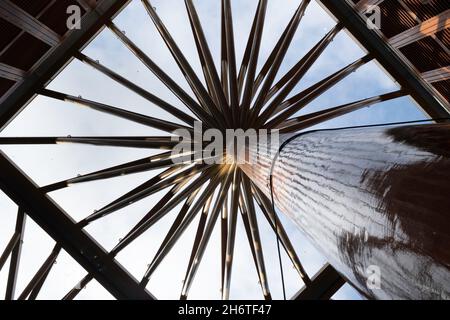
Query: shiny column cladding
{"x": 370, "y": 197}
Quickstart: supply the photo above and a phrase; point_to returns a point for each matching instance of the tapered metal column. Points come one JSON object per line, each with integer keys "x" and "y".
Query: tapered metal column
{"x": 372, "y": 199}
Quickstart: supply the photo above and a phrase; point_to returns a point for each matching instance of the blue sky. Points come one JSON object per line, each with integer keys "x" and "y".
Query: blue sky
{"x": 47, "y": 164}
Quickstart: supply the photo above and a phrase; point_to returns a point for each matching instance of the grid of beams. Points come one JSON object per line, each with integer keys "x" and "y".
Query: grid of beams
{"x": 390, "y": 60}
{"x": 63, "y": 51}
{"x": 423, "y": 45}
{"x": 11, "y": 73}
{"x": 423, "y": 30}
{"x": 437, "y": 75}
{"x": 23, "y": 20}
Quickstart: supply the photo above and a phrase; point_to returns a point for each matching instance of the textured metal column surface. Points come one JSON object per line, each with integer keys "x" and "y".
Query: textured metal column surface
{"x": 370, "y": 197}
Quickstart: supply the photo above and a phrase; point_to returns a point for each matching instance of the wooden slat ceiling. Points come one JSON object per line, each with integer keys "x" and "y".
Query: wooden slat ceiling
{"x": 430, "y": 52}
{"x": 23, "y": 50}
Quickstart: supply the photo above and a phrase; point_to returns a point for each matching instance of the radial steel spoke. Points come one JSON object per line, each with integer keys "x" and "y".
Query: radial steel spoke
{"x": 206, "y": 75}
{"x": 38, "y": 286}
{"x": 155, "y": 215}
{"x": 231, "y": 237}
{"x": 165, "y": 200}
{"x": 292, "y": 78}
{"x": 162, "y": 253}
{"x": 121, "y": 113}
{"x": 266, "y": 207}
{"x": 133, "y": 234}
{"x": 111, "y": 141}
{"x": 193, "y": 268}
{"x": 198, "y": 237}
{"x": 136, "y": 89}
{"x": 256, "y": 240}
{"x": 42, "y": 272}
{"x": 158, "y": 161}
{"x": 268, "y": 64}
{"x": 319, "y": 46}
{"x": 209, "y": 69}
{"x": 300, "y": 100}
{"x": 323, "y": 85}
{"x": 15, "y": 256}
{"x": 223, "y": 238}
{"x": 229, "y": 60}
{"x": 314, "y": 118}
{"x": 159, "y": 183}
{"x": 78, "y": 287}
{"x": 28, "y": 140}
{"x": 175, "y": 226}
{"x": 256, "y": 44}
{"x": 243, "y": 208}
{"x": 158, "y": 178}
{"x": 246, "y": 57}
{"x": 154, "y": 142}
{"x": 248, "y": 230}
{"x": 13, "y": 242}
{"x": 244, "y": 215}
{"x": 150, "y": 215}
{"x": 127, "y": 142}
{"x": 224, "y": 58}
{"x": 181, "y": 216}
{"x": 163, "y": 77}
{"x": 190, "y": 75}
{"x": 278, "y": 58}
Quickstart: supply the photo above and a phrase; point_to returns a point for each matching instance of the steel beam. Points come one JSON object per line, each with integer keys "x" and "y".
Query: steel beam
{"x": 11, "y": 73}
{"x": 363, "y": 5}
{"x": 39, "y": 278}
{"x": 91, "y": 23}
{"x": 43, "y": 10}
{"x": 437, "y": 75}
{"x": 323, "y": 286}
{"x": 433, "y": 35}
{"x": 15, "y": 256}
{"x": 9, "y": 248}
{"x": 423, "y": 30}
{"x": 23, "y": 20}
{"x": 64, "y": 230}
{"x": 87, "y": 4}
{"x": 386, "y": 56}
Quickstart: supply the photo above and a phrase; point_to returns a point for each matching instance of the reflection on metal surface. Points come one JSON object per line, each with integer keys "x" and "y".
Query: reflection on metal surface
{"x": 371, "y": 198}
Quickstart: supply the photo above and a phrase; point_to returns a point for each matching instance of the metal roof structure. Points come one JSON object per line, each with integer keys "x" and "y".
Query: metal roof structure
{"x": 410, "y": 49}
{"x": 418, "y": 32}
{"x": 35, "y": 45}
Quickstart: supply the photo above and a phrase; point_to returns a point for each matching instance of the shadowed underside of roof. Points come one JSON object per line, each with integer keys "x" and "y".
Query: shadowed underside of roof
{"x": 419, "y": 31}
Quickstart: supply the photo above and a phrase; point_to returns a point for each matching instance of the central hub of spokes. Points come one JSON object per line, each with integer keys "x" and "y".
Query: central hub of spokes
{"x": 229, "y": 146}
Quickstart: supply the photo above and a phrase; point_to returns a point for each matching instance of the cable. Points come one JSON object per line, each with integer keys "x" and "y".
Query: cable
{"x": 311, "y": 131}
{"x": 278, "y": 238}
